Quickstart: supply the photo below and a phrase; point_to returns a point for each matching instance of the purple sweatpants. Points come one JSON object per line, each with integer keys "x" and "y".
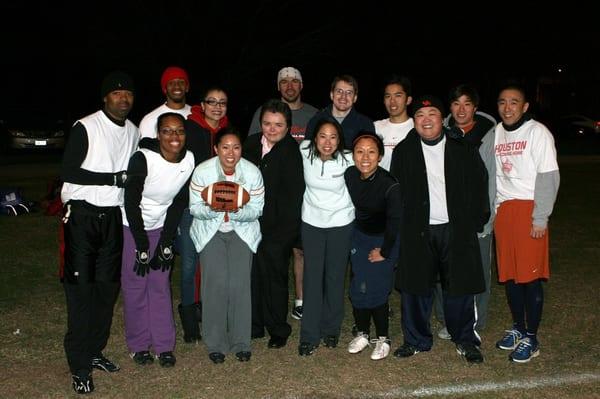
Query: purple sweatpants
{"x": 147, "y": 305}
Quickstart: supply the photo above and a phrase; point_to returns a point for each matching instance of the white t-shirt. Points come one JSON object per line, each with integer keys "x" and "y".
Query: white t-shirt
{"x": 520, "y": 156}
{"x": 436, "y": 181}
{"x": 148, "y": 123}
{"x": 391, "y": 134}
{"x": 162, "y": 183}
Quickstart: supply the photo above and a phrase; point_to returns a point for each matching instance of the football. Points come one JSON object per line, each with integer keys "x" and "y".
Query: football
{"x": 225, "y": 196}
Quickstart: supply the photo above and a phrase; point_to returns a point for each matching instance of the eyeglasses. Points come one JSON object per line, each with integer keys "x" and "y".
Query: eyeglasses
{"x": 213, "y": 103}
{"x": 342, "y": 92}
{"x": 170, "y": 132}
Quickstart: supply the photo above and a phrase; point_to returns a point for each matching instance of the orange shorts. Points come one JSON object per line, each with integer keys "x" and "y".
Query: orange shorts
{"x": 519, "y": 256}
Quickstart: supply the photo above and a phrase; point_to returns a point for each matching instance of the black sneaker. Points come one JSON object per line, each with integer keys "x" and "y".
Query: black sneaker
{"x": 101, "y": 363}
{"x": 166, "y": 359}
{"x": 243, "y": 356}
{"x": 306, "y": 349}
{"x": 276, "y": 342}
{"x": 216, "y": 357}
{"x": 82, "y": 382}
{"x": 142, "y": 358}
{"x": 406, "y": 350}
{"x": 297, "y": 312}
{"x": 330, "y": 341}
{"x": 471, "y": 352}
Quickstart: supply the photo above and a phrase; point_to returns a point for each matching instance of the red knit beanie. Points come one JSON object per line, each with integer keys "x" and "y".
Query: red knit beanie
{"x": 171, "y": 73}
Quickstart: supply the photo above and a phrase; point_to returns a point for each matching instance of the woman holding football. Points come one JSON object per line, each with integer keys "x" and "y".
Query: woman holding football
{"x": 226, "y": 240}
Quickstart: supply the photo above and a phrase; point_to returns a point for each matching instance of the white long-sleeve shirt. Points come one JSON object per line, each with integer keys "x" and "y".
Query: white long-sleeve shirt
{"x": 327, "y": 202}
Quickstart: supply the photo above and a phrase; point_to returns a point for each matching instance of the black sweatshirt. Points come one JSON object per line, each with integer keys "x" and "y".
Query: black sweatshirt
{"x": 377, "y": 205}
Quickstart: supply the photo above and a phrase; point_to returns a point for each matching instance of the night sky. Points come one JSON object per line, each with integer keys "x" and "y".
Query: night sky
{"x": 55, "y": 55}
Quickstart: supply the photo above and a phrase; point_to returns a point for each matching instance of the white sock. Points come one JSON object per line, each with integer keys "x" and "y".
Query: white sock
{"x": 297, "y": 302}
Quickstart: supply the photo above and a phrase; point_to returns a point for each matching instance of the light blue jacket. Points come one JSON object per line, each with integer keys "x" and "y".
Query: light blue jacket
{"x": 245, "y": 221}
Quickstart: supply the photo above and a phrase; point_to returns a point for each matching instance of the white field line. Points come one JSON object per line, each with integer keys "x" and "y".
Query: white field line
{"x": 446, "y": 390}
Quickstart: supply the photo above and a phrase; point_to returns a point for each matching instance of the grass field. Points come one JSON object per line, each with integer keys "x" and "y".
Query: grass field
{"x": 32, "y": 314}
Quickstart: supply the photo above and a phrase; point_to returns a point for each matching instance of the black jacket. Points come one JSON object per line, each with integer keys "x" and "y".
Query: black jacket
{"x": 198, "y": 141}
{"x": 468, "y": 211}
{"x": 283, "y": 178}
{"x": 353, "y": 123}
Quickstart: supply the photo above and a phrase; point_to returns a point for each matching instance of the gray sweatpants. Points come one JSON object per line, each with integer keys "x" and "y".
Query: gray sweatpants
{"x": 226, "y": 307}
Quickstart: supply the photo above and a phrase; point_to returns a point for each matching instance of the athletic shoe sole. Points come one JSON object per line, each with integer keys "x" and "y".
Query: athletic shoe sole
{"x": 109, "y": 368}
{"x": 533, "y": 354}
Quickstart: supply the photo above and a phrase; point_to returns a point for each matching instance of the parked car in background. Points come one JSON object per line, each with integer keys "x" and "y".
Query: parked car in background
{"x": 34, "y": 130}
{"x": 578, "y": 126}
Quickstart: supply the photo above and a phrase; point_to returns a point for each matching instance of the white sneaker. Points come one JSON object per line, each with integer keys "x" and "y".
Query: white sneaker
{"x": 444, "y": 334}
{"x": 382, "y": 348}
{"x": 360, "y": 342}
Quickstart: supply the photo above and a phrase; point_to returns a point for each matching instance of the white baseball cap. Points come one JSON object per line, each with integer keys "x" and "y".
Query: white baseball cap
{"x": 288, "y": 72}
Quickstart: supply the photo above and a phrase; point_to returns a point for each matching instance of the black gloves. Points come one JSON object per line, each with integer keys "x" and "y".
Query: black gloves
{"x": 120, "y": 178}
{"x": 163, "y": 257}
{"x": 142, "y": 263}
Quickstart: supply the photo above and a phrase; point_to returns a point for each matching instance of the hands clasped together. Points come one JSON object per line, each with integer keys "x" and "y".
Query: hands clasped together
{"x": 162, "y": 260}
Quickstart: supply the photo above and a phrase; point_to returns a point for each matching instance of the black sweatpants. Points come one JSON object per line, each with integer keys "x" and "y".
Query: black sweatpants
{"x": 93, "y": 247}
{"x": 326, "y": 254}
{"x": 459, "y": 310}
{"x": 270, "y": 295}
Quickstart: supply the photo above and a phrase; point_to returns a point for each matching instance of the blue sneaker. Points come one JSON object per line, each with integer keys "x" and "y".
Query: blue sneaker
{"x": 525, "y": 351}
{"x": 510, "y": 340}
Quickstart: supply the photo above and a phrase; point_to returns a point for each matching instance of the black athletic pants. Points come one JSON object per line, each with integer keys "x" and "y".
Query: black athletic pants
{"x": 459, "y": 310}
{"x": 270, "y": 295}
{"x": 93, "y": 246}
